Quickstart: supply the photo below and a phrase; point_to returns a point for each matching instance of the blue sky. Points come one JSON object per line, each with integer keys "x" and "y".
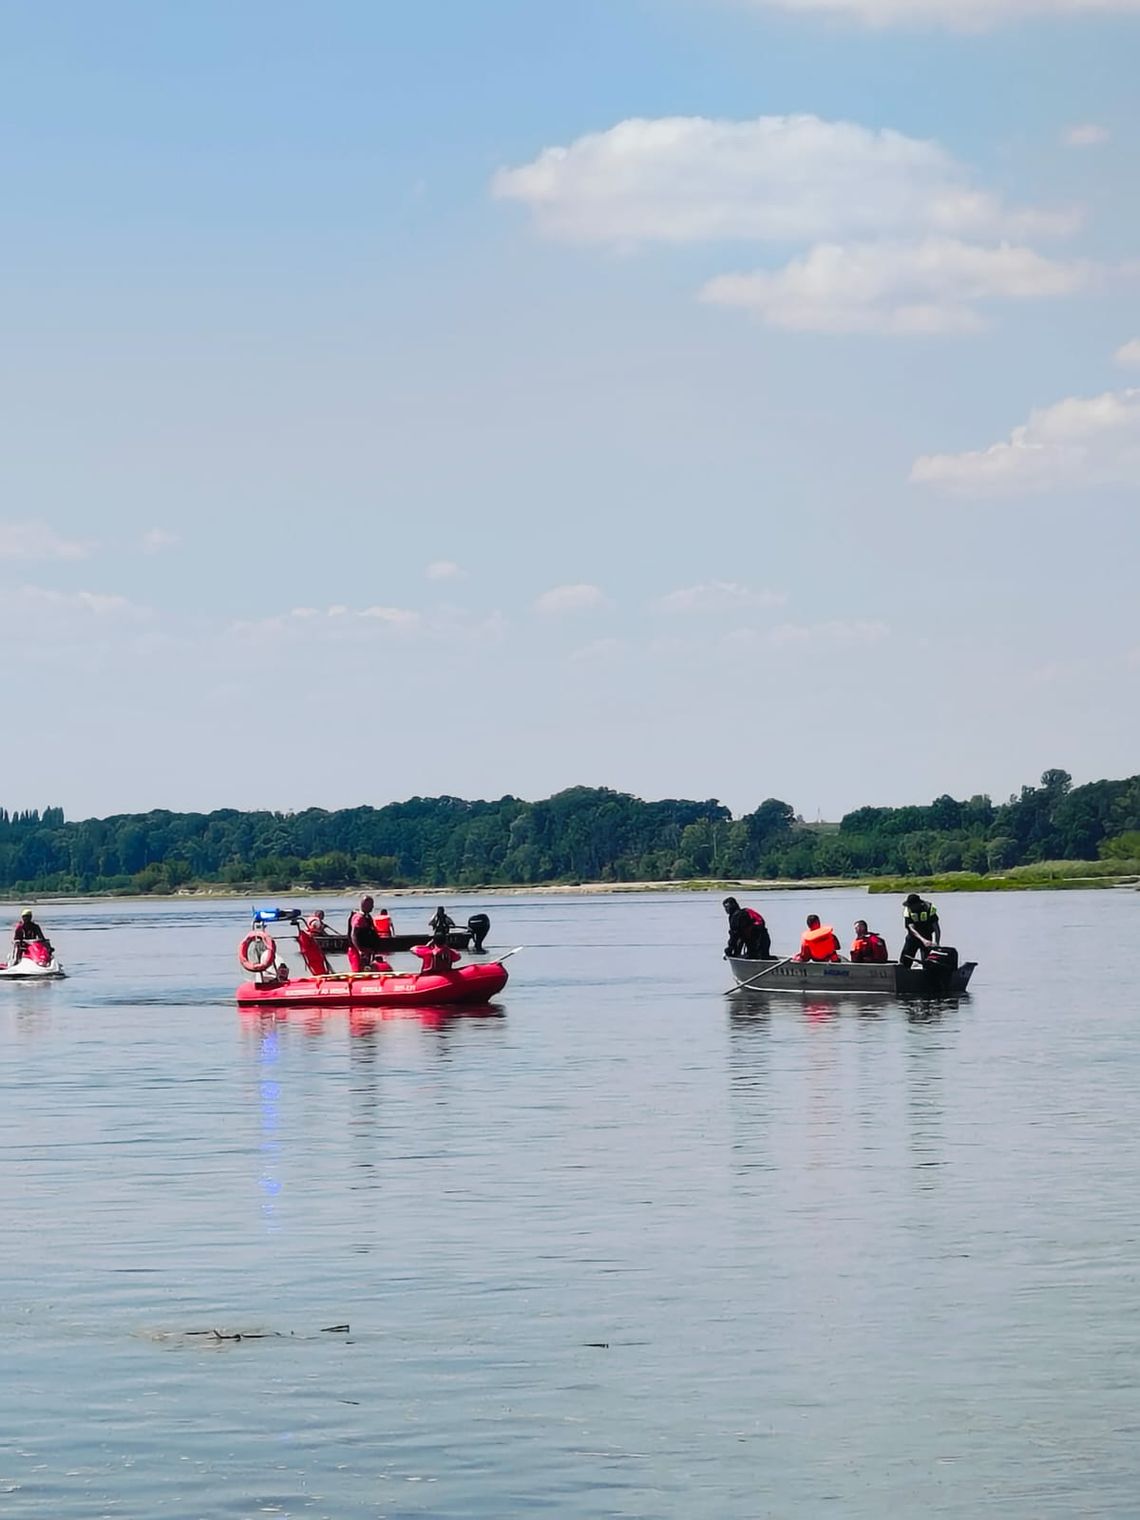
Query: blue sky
{"x": 700, "y": 397}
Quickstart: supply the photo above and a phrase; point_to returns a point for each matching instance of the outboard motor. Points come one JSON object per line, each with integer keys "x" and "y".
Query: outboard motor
{"x": 939, "y": 967}
{"x": 480, "y": 926}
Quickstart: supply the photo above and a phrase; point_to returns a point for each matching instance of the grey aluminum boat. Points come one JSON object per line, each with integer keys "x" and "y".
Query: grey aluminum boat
{"x": 887, "y": 978}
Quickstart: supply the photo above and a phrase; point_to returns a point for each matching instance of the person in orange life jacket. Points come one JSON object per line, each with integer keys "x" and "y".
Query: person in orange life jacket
{"x": 383, "y": 922}
{"x": 437, "y": 956}
{"x": 364, "y": 943}
{"x": 747, "y": 932}
{"x": 315, "y": 923}
{"x": 819, "y": 943}
{"x": 867, "y": 945}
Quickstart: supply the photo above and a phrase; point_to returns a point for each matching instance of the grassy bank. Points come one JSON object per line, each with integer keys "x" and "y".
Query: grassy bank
{"x": 1045, "y": 876}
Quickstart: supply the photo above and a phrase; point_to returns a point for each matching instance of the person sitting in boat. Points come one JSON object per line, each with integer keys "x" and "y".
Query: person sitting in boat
{"x": 27, "y": 932}
{"x": 867, "y": 945}
{"x": 923, "y": 931}
{"x": 315, "y": 923}
{"x": 383, "y": 922}
{"x": 441, "y": 919}
{"x": 819, "y": 941}
{"x": 747, "y": 932}
{"x": 365, "y": 946}
{"x": 437, "y": 956}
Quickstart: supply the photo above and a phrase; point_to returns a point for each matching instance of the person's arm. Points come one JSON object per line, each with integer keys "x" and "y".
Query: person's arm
{"x": 936, "y": 931}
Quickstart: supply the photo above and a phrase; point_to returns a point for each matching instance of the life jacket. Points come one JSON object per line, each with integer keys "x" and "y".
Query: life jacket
{"x": 383, "y": 924}
{"x": 870, "y": 947}
{"x": 757, "y": 918}
{"x": 820, "y": 944}
{"x": 436, "y": 959}
{"x": 921, "y": 917}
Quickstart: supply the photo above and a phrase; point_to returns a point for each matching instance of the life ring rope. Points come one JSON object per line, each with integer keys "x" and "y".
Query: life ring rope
{"x": 265, "y": 959}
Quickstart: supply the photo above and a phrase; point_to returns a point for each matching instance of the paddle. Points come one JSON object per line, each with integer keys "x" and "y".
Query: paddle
{"x": 740, "y": 986}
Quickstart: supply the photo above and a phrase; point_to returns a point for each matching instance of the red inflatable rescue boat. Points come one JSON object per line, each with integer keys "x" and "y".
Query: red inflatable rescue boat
{"x": 383, "y": 989}
{"x": 273, "y": 987}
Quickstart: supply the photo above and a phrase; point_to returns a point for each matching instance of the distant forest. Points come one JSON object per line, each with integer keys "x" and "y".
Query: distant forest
{"x": 584, "y": 834}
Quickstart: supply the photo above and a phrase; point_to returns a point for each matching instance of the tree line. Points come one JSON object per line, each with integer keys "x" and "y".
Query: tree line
{"x": 583, "y": 834}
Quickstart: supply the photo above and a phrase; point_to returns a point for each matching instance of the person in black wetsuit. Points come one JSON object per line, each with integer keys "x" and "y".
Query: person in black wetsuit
{"x": 441, "y": 919}
{"x": 747, "y": 932}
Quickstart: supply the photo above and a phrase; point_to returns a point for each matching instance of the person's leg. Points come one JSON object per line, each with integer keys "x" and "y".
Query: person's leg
{"x": 912, "y": 946}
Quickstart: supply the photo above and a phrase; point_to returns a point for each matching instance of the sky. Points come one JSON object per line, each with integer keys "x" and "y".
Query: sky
{"x": 701, "y": 398}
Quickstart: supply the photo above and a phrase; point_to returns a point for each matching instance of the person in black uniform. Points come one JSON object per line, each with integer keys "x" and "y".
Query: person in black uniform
{"x": 747, "y": 932}
{"x": 923, "y": 931}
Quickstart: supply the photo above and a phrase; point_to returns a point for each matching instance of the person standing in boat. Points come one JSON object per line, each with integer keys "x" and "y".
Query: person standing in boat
{"x": 437, "y": 957}
{"x": 867, "y": 945}
{"x": 441, "y": 919}
{"x": 26, "y": 932}
{"x": 923, "y": 931}
{"x": 819, "y": 942}
{"x": 747, "y": 932}
{"x": 364, "y": 943}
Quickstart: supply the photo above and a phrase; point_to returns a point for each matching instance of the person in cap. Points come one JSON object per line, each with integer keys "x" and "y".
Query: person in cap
{"x": 923, "y": 931}
{"x": 747, "y": 932}
{"x": 27, "y": 932}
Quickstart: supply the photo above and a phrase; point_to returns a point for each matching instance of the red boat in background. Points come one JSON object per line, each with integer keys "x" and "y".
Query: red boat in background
{"x": 273, "y": 987}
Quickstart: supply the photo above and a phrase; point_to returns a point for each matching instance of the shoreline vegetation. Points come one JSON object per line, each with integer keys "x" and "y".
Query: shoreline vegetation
{"x": 586, "y": 839}
{"x": 1059, "y": 876}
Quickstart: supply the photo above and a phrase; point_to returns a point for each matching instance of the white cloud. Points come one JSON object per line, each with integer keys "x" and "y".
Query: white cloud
{"x": 834, "y": 633}
{"x": 156, "y": 540}
{"x": 339, "y": 623}
{"x": 1129, "y": 353}
{"x": 775, "y": 178}
{"x": 1086, "y": 134}
{"x": 560, "y": 599}
{"x": 33, "y": 540}
{"x": 58, "y": 606}
{"x": 897, "y": 288}
{"x": 717, "y": 596}
{"x": 393, "y": 617}
{"x": 1076, "y": 443}
{"x": 444, "y": 570}
{"x": 961, "y": 15}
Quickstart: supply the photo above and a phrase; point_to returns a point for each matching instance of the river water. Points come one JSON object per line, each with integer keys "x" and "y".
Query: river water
{"x": 626, "y": 1247}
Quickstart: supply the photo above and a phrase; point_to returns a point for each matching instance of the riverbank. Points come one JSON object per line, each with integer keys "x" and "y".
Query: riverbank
{"x": 1048, "y": 876}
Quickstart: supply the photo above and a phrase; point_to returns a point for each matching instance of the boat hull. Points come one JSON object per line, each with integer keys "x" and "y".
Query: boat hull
{"x": 29, "y": 971}
{"x": 887, "y": 979}
{"x": 466, "y": 986}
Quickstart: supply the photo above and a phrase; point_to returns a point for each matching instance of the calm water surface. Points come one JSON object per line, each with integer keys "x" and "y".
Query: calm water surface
{"x": 626, "y": 1248}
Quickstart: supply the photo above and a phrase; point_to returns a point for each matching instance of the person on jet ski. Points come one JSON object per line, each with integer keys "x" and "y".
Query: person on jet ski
{"x": 26, "y": 932}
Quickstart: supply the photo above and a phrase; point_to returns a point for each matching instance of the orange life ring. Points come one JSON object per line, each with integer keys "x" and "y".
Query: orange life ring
{"x": 267, "y": 957}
